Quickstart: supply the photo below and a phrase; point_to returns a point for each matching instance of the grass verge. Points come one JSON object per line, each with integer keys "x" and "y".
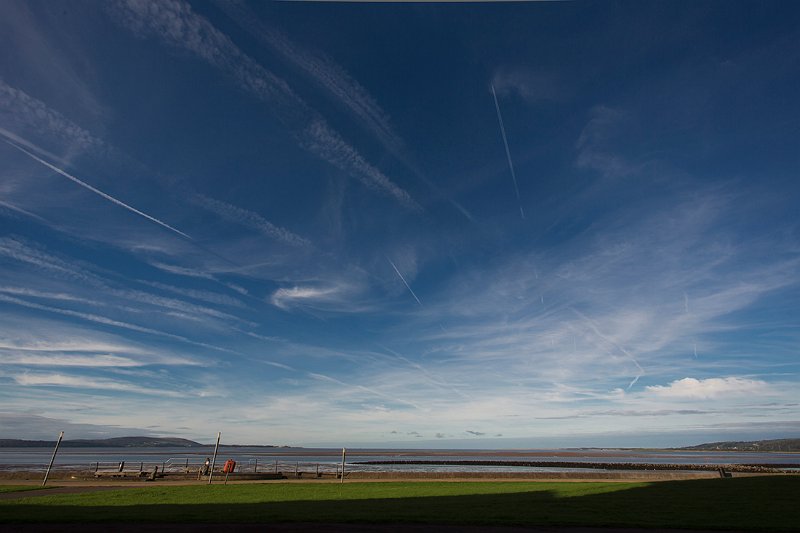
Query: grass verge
{"x": 757, "y": 503}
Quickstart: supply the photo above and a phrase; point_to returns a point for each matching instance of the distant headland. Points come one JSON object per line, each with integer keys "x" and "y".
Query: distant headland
{"x": 774, "y": 445}
{"x": 115, "y": 442}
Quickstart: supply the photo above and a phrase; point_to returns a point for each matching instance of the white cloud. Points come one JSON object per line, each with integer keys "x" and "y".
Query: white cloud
{"x": 23, "y": 291}
{"x": 94, "y": 361}
{"x": 532, "y": 86}
{"x": 594, "y": 143}
{"x": 691, "y": 388}
{"x": 83, "y": 382}
{"x": 40, "y": 335}
{"x": 289, "y": 297}
{"x": 250, "y": 219}
{"x": 38, "y": 342}
{"x": 182, "y": 271}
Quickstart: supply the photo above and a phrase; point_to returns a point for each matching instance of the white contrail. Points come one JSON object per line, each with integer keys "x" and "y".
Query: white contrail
{"x": 96, "y": 191}
{"x": 404, "y": 281}
{"x": 433, "y": 379}
{"x": 329, "y": 379}
{"x": 613, "y": 343}
{"x": 508, "y": 153}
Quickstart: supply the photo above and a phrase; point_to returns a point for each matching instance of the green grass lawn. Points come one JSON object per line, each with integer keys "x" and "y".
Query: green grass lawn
{"x": 757, "y": 503}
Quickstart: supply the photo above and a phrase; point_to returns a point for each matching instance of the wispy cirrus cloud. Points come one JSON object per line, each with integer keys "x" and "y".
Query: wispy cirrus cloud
{"x": 29, "y": 115}
{"x": 26, "y": 252}
{"x": 182, "y": 271}
{"x": 24, "y": 291}
{"x": 347, "y": 391}
{"x": 44, "y": 336}
{"x": 32, "y": 379}
{"x": 594, "y": 144}
{"x": 535, "y": 87}
{"x": 321, "y": 139}
{"x": 174, "y": 22}
{"x": 99, "y": 319}
{"x": 344, "y": 90}
{"x": 607, "y": 309}
{"x": 197, "y": 294}
{"x": 50, "y": 66}
{"x": 250, "y": 219}
{"x": 16, "y": 210}
{"x": 324, "y": 71}
{"x": 54, "y": 360}
{"x": 64, "y": 269}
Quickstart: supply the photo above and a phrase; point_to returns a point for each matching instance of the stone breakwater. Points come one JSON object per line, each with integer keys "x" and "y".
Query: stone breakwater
{"x": 744, "y": 468}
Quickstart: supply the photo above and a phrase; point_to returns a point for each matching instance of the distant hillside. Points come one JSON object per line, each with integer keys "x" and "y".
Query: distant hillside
{"x": 116, "y": 442}
{"x": 776, "y": 445}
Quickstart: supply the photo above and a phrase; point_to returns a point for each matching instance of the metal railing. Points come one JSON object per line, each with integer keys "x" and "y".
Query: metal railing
{"x": 288, "y": 468}
{"x": 185, "y": 465}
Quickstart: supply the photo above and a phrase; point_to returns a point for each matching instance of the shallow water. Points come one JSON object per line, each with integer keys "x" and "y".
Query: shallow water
{"x": 264, "y": 458}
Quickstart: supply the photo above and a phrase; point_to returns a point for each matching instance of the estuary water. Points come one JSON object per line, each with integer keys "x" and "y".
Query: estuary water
{"x": 264, "y": 459}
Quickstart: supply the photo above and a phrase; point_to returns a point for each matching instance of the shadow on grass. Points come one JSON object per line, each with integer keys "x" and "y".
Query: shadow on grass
{"x": 759, "y": 503}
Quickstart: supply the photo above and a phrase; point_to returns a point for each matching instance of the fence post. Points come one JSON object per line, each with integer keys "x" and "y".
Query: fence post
{"x": 52, "y": 460}
{"x": 214, "y": 460}
{"x": 343, "y": 454}
{"x": 255, "y": 468}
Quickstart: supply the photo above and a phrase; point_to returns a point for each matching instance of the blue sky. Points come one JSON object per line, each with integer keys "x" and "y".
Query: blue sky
{"x": 480, "y": 225}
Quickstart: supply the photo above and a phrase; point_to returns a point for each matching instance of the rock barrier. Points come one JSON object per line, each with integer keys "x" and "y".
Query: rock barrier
{"x": 743, "y": 468}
